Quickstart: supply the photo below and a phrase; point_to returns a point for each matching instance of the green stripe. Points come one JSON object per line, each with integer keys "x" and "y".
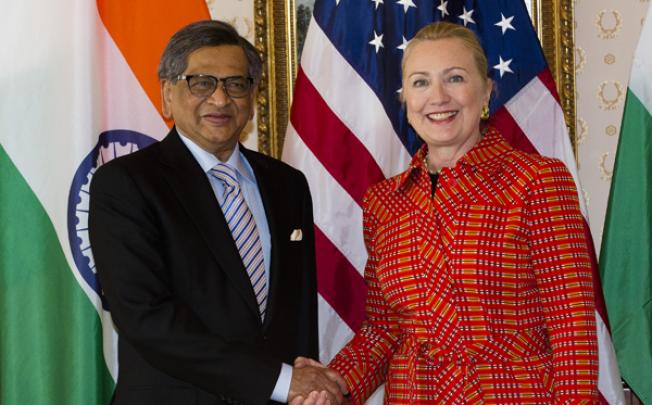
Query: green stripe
{"x": 50, "y": 334}
{"x": 626, "y": 254}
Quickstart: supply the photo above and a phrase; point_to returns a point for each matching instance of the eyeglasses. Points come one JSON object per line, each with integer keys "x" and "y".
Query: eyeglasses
{"x": 205, "y": 85}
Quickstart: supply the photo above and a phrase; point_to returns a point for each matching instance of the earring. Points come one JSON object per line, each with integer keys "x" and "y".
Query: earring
{"x": 485, "y": 112}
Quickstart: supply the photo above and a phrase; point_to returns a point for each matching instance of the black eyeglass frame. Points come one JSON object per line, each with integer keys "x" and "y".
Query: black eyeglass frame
{"x": 217, "y": 80}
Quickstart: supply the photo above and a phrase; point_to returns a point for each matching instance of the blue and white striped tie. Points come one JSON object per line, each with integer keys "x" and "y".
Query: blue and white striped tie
{"x": 244, "y": 231}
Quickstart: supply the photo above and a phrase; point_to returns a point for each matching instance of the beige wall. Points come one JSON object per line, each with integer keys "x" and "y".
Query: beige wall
{"x": 240, "y": 13}
{"x": 606, "y": 34}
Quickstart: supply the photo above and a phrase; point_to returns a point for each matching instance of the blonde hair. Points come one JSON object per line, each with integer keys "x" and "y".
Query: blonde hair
{"x": 443, "y": 30}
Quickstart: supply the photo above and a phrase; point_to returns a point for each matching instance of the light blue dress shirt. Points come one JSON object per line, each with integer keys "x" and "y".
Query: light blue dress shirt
{"x": 248, "y": 185}
{"x": 251, "y": 194}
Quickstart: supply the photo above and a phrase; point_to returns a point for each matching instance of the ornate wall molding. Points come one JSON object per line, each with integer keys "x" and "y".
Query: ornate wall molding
{"x": 276, "y": 41}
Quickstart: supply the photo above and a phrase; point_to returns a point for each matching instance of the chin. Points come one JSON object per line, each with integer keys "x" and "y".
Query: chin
{"x": 441, "y": 139}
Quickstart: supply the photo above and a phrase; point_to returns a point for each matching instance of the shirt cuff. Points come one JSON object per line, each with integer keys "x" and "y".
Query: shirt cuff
{"x": 282, "y": 388}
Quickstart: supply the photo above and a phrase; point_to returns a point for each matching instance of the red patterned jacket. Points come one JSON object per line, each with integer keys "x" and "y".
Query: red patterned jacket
{"x": 480, "y": 295}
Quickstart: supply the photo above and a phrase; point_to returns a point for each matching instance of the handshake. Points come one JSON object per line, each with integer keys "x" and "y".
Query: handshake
{"x": 315, "y": 384}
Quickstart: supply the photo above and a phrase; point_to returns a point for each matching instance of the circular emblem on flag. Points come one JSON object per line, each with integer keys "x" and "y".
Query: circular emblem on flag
{"x": 110, "y": 145}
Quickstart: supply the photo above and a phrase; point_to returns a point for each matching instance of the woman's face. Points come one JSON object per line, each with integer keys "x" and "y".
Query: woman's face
{"x": 444, "y": 92}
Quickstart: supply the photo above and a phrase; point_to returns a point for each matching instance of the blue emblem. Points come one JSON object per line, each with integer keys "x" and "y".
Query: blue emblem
{"x": 110, "y": 145}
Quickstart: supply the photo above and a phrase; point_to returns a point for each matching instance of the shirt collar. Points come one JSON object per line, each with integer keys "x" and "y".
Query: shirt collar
{"x": 207, "y": 160}
{"x": 485, "y": 156}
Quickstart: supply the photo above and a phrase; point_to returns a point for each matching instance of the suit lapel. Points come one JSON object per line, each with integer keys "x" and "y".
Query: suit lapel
{"x": 192, "y": 188}
{"x": 273, "y": 202}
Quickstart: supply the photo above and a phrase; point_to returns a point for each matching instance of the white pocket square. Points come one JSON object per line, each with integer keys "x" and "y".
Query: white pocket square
{"x": 296, "y": 235}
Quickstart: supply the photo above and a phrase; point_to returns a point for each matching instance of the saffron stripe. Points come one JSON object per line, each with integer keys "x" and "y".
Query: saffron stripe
{"x": 142, "y": 31}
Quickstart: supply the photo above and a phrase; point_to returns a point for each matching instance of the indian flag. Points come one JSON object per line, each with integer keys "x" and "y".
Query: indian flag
{"x": 626, "y": 256}
{"x": 78, "y": 87}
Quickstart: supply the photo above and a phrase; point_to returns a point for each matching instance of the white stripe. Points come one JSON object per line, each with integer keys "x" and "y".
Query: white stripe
{"x": 109, "y": 343}
{"x": 358, "y": 107}
{"x": 541, "y": 118}
{"x": 337, "y": 215}
{"x": 126, "y": 104}
{"x": 334, "y": 333}
{"x": 608, "y": 375}
{"x": 640, "y": 82}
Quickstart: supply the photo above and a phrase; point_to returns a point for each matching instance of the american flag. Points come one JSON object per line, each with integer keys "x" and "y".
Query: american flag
{"x": 348, "y": 130}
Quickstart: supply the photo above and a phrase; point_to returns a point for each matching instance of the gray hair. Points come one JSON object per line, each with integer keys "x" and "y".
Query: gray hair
{"x": 201, "y": 34}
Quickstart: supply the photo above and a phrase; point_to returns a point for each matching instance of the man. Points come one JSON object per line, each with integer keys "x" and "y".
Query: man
{"x": 205, "y": 250}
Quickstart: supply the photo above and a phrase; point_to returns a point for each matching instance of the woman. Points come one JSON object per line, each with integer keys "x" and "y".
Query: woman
{"x": 479, "y": 277}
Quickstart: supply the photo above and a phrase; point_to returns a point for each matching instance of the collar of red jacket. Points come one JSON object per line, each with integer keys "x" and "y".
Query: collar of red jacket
{"x": 487, "y": 156}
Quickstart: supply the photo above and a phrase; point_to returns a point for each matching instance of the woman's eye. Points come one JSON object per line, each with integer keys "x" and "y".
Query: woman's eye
{"x": 420, "y": 83}
{"x": 456, "y": 79}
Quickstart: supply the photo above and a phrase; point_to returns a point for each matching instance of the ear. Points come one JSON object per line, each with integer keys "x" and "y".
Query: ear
{"x": 166, "y": 98}
{"x": 254, "y": 96}
{"x": 488, "y": 91}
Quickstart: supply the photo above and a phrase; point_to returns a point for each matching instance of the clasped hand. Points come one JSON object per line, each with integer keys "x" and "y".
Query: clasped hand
{"x": 315, "y": 384}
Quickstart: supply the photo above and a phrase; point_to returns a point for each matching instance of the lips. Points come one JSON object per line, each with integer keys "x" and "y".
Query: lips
{"x": 443, "y": 116}
{"x": 217, "y": 118}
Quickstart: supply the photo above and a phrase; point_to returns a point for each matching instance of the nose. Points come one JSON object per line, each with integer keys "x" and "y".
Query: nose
{"x": 219, "y": 96}
{"x": 437, "y": 93}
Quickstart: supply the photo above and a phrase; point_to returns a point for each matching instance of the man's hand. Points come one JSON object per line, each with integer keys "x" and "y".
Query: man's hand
{"x": 332, "y": 374}
{"x": 314, "y": 384}
{"x": 314, "y": 398}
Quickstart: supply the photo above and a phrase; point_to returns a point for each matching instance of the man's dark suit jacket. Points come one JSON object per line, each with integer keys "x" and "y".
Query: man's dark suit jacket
{"x": 178, "y": 292}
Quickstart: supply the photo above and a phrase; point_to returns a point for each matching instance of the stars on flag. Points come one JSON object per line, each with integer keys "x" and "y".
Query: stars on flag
{"x": 403, "y": 45}
{"x": 503, "y": 66}
{"x": 377, "y": 42}
{"x": 443, "y": 8}
{"x": 406, "y": 4}
{"x": 505, "y": 23}
{"x": 466, "y": 16}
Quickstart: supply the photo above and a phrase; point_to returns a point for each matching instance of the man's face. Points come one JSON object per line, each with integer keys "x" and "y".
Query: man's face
{"x": 214, "y": 122}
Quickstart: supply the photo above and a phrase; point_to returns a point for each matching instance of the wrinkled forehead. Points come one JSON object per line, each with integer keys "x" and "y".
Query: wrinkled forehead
{"x": 231, "y": 57}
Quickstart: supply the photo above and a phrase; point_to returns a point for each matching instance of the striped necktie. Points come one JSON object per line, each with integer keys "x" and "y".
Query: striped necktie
{"x": 244, "y": 231}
